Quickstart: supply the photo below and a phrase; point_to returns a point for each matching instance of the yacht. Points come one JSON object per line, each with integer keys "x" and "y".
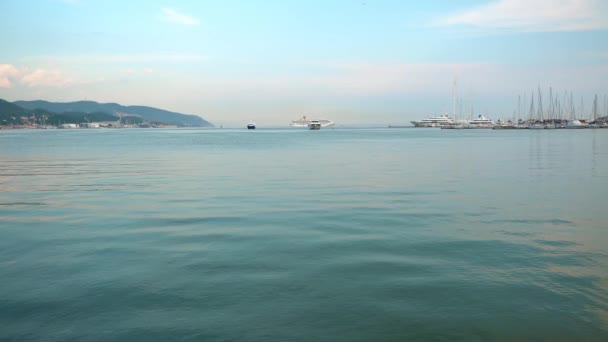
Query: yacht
{"x": 251, "y": 125}
{"x": 314, "y": 125}
{"x": 504, "y": 125}
{"x": 481, "y": 122}
{"x": 437, "y": 121}
{"x": 304, "y": 122}
{"x": 536, "y": 125}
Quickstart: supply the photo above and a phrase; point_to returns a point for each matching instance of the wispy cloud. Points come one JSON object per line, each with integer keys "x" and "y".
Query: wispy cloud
{"x": 350, "y": 79}
{"x": 533, "y": 16}
{"x": 133, "y": 71}
{"x": 7, "y": 72}
{"x": 373, "y": 79}
{"x": 46, "y": 78}
{"x": 137, "y": 58}
{"x": 11, "y": 75}
{"x": 173, "y": 16}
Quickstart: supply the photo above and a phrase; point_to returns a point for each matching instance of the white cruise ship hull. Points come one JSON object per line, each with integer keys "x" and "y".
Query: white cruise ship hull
{"x": 305, "y": 123}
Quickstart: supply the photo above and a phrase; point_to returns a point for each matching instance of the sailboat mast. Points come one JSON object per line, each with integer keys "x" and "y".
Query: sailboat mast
{"x": 572, "y": 113}
{"x": 531, "y": 112}
{"x": 460, "y": 107}
{"x": 566, "y": 105}
{"x": 523, "y": 103}
{"x": 454, "y": 99}
{"x": 518, "y": 107}
{"x": 470, "y": 104}
{"x": 595, "y": 108}
{"x": 540, "y": 105}
{"x": 551, "y": 104}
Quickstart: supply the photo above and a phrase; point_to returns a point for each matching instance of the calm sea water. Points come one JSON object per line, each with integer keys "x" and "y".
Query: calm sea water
{"x": 297, "y": 235}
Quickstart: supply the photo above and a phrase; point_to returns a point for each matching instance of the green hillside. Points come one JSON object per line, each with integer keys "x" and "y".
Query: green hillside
{"x": 146, "y": 113}
{"x": 10, "y": 113}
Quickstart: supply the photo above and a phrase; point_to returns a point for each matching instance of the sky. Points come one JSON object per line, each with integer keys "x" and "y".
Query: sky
{"x": 355, "y": 62}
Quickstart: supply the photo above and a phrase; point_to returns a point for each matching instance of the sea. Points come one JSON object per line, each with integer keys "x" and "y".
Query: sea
{"x": 362, "y": 234}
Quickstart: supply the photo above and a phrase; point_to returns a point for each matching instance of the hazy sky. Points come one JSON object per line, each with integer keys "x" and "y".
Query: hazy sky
{"x": 355, "y": 62}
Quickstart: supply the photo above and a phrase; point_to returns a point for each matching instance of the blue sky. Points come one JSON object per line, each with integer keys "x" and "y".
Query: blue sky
{"x": 356, "y": 62}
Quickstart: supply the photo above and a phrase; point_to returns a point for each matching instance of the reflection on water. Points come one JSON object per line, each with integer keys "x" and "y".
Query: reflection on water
{"x": 367, "y": 234}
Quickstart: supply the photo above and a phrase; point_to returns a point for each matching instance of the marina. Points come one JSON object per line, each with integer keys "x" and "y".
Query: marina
{"x": 484, "y": 123}
{"x": 560, "y": 114}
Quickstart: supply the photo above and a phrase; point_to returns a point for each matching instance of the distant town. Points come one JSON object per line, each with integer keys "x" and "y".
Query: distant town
{"x": 90, "y": 114}
{"x": 33, "y": 122}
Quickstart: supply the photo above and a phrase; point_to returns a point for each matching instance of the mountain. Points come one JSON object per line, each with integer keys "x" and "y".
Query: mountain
{"x": 146, "y": 113}
{"x": 10, "y": 113}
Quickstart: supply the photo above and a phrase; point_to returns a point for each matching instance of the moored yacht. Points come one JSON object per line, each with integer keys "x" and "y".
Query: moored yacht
{"x": 251, "y": 125}
{"x": 504, "y": 125}
{"x": 536, "y": 125}
{"x": 481, "y": 122}
{"x": 574, "y": 124}
{"x": 437, "y": 121}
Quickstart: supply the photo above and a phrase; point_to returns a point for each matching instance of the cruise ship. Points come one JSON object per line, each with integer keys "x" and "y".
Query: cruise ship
{"x": 304, "y": 123}
{"x": 314, "y": 125}
{"x": 437, "y": 121}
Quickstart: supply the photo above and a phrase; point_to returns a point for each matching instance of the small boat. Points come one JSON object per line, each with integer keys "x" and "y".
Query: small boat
{"x": 251, "y": 125}
{"x": 314, "y": 125}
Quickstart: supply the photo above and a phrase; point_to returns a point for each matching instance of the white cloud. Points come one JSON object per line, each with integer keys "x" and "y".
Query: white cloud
{"x": 373, "y": 79}
{"x": 46, "y": 78}
{"x": 173, "y": 16}
{"x": 534, "y": 15}
{"x": 7, "y": 72}
{"x": 11, "y": 75}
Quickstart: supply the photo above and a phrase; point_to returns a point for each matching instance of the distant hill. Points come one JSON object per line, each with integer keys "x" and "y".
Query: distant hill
{"x": 10, "y": 113}
{"x": 146, "y": 113}
{"x": 9, "y": 107}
